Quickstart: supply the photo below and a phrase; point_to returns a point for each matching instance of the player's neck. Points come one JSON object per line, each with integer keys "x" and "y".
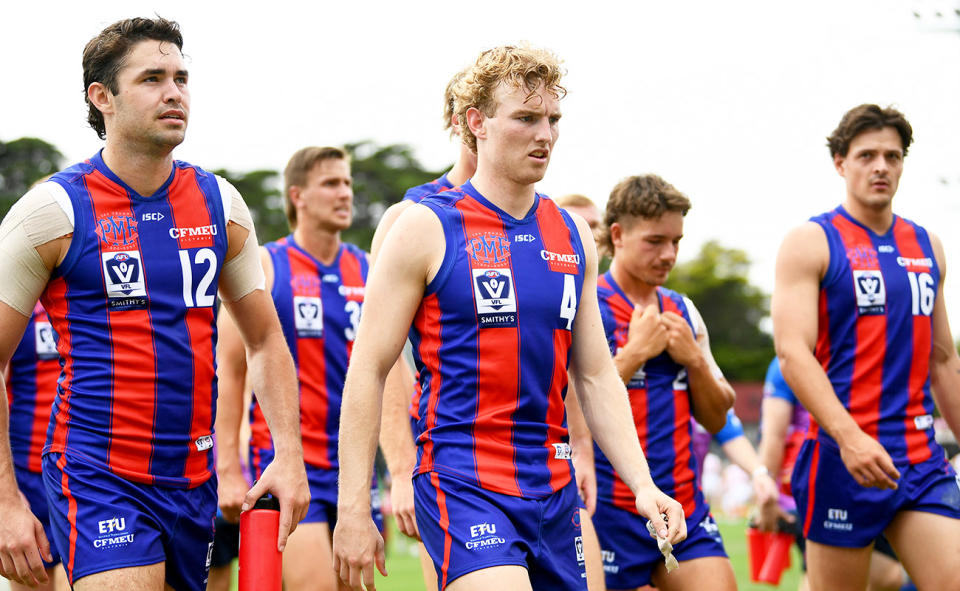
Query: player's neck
{"x": 514, "y": 198}
{"x": 640, "y": 293}
{"x": 879, "y": 219}
{"x": 321, "y": 244}
{"x": 141, "y": 171}
{"x": 465, "y": 167}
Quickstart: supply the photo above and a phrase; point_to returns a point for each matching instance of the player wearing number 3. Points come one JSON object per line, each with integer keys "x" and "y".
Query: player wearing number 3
{"x": 862, "y": 335}
{"x": 317, "y": 284}
{"x": 497, "y": 287}
{"x": 127, "y": 252}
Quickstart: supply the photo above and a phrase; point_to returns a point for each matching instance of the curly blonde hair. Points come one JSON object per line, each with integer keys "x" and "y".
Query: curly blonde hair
{"x": 521, "y": 66}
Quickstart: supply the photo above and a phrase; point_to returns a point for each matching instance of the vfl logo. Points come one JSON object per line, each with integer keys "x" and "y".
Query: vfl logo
{"x": 308, "y": 316}
{"x": 489, "y": 248}
{"x": 123, "y": 278}
{"x": 117, "y": 230}
{"x": 495, "y": 298}
{"x": 870, "y": 290}
{"x": 46, "y": 340}
{"x": 578, "y": 543}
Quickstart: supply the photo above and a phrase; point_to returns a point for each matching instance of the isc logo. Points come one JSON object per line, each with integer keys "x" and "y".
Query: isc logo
{"x": 837, "y": 514}
{"x": 111, "y": 525}
{"x": 482, "y": 528}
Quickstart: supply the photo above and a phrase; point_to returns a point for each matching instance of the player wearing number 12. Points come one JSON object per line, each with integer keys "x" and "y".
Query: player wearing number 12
{"x": 127, "y": 252}
{"x": 862, "y": 335}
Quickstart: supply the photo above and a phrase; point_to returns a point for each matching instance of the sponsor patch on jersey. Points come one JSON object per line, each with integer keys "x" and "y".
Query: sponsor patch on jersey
{"x": 117, "y": 230}
{"x": 489, "y": 249}
{"x": 561, "y": 262}
{"x": 308, "y": 316}
{"x": 204, "y": 443}
{"x": 562, "y": 451}
{"x": 123, "y": 279}
{"x": 871, "y": 293}
{"x": 496, "y": 300}
{"x": 46, "y": 340}
{"x": 923, "y": 422}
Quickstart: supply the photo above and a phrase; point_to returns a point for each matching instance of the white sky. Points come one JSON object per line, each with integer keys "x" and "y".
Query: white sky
{"x": 729, "y": 101}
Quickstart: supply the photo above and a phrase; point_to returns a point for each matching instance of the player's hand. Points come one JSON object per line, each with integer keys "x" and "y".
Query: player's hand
{"x": 867, "y": 461}
{"x": 767, "y": 496}
{"x": 22, "y": 544}
{"x": 286, "y": 479}
{"x": 586, "y": 473}
{"x": 357, "y": 546}
{"x": 401, "y": 499}
{"x": 681, "y": 344}
{"x": 652, "y": 502}
{"x": 231, "y": 492}
{"x": 646, "y": 333}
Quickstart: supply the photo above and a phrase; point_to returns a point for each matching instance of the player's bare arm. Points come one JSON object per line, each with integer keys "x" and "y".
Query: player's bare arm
{"x": 273, "y": 377}
{"x": 801, "y": 263}
{"x": 776, "y": 414}
{"x": 394, "y": 291}
{"x": 944, "y": 361}
{"x": 396, "y": 439}
{"x": 232, "y": 486}
{"x": 581, "y": 446}
{"x": 603, "y": 398}
{"x": 711, "y": 395}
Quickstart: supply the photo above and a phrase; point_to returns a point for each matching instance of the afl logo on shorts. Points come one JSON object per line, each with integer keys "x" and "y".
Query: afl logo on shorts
{"x": 496, "y": 301}
{"x": 308, "y": 316}
{"x": 871, "y": 293}
{"x": 123, "y": 279}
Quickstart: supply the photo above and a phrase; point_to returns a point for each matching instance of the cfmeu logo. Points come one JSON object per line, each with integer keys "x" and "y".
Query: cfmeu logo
{"x": 483, "y": 535}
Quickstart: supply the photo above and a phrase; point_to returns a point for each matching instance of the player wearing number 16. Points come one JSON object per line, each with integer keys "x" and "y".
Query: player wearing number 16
{"x": 497, "y": 288}
{"x": 861, "y": 331}
{"x": 127, "y": 252}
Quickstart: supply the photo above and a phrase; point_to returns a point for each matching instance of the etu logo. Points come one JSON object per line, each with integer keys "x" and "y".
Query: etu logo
{"x": 108, "y": 526}
{"x": 482, "y": 528}
{"x": 837, "y": 514}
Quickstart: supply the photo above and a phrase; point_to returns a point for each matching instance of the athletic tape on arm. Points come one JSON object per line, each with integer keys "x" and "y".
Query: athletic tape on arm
{"x": 243, "y": 273}
{"x": 43, "y": 214}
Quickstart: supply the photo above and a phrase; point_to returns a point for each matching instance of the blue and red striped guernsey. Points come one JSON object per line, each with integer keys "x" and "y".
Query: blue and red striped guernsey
{"x": 416, "y": 194}
{"x": 319, "y": 308}
{"x": 491, "y": 340}
{"x": 660, "y": 400}
{"x": 876, "y": 333}
{"x": 31, "y": 388}
{"x": 133, "y": 303}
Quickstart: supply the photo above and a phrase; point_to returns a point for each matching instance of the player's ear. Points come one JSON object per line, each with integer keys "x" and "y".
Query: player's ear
{"x": 294, "y": 193}
{"x": 838, "y": 163}
{"x": 616, "y": 234}
{"x": 475, "y": 121}
{"x": 100, "y": 97}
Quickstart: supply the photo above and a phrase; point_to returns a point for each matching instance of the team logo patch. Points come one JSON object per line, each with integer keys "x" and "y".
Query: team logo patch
{"x": 117, "y": 230}
{"x": 308, "y": 316}
{"x": 123, "y": 279}
{"x": 46, "y": 340}
{"x": 863, "y": 257}
{"x": 871, "y": 293}
{"x": 496, "y": 300}
{"x": 489, "y": 248}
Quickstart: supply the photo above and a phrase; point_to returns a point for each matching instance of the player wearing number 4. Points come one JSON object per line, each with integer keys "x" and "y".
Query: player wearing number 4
{"x": 127, "y": 252}
{"x": 317, "y": 283}
{"x": 497, "y": 288}
{"x": 861, "y": 331}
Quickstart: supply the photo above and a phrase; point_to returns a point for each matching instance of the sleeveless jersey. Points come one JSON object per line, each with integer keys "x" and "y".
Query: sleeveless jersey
{"x": 133, "y": 303}
{"x": 416, "y": 194}
{"x": 319, "y": 308}
{"x": 31, "y": 388}
{"x": 875, "y": 331}
{"x": 660, "y": 400}
{"x": 491, "y": 341}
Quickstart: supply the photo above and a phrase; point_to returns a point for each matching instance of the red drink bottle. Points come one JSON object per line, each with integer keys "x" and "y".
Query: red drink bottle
{"x": 261, "y": 564}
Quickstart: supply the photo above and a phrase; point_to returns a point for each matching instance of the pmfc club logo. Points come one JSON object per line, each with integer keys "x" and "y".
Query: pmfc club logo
{"x": 489, "y": 248}
{"x": 117, "y": 229}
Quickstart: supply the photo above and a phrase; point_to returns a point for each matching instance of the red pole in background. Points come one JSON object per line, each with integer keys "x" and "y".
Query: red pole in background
{"x": 261, "y": 564}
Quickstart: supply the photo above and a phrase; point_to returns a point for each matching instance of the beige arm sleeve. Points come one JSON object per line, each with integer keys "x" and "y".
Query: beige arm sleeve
{"x": 43, "y": 214}
{"x": 243, "y": 273}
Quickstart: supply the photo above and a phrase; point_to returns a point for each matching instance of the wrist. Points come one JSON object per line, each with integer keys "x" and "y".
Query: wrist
{"x": 759, "y": 471}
